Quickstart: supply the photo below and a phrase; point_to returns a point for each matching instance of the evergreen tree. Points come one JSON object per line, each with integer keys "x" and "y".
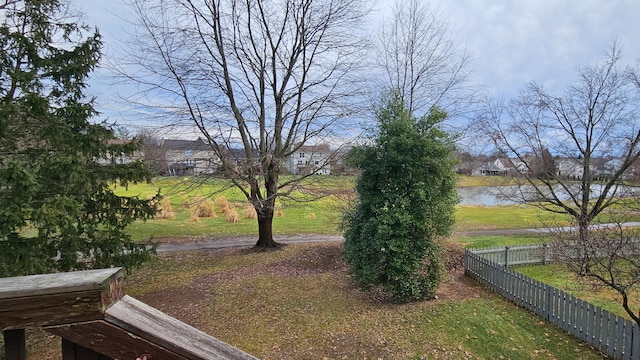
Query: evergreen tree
{"x": 406, "y": 203}
{"x": 57, "y": 209}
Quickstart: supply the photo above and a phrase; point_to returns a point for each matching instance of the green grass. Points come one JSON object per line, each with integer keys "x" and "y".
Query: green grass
{"x": 498, "y": 240}
{"x": 317, "y": 217}
{"x": 469, "y": 218}
{"x": 308, "y": 312}
{"x": 321, "y": 216}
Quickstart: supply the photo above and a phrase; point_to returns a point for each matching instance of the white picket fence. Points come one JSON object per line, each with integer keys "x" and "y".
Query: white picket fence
{"x": 613, "y": 335}
{"x": 517, "y": 255}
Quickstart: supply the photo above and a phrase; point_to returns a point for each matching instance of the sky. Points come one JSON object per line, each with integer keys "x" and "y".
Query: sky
{"x": 511, "y": 42}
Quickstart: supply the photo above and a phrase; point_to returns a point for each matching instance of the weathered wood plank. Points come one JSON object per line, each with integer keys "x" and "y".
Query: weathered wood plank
{"x": 47, "y": 284}
{"x": 628, "y": 327}
{"x": 619, "y": 335}
{"x": 29, "y": 312}
{"x": 40, "y": 300}
{"x": 110, "y": 341}
{"x": 157, "y": 327}
{"x": 15, "y": 345}
{"x": 72, "y": 351}
{"x": 635, "y": 347}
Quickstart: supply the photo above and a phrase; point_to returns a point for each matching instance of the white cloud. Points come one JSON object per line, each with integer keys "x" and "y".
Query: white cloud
{"x": 513, "y": 42}
{"x": 518, "y": 41}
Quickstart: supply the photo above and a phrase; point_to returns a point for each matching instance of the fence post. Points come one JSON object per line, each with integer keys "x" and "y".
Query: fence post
{"x": 15, "y": 345}
{"x": 506, "y": 256}
{"x": 544, "y": 254}
{"x": 466, "y": 261}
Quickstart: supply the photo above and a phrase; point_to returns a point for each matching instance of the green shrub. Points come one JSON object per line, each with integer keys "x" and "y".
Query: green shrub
{"x": 406, "y": 203}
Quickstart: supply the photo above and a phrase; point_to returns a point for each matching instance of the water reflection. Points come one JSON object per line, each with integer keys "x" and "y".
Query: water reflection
{"x": 509, "y": 195}
{"x": 484, "y": 196}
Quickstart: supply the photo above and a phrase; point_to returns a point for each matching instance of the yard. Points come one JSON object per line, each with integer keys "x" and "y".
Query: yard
{"x": 299, "y": 303}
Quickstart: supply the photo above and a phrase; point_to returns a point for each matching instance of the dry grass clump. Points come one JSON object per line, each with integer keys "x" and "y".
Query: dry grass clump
{"x": 311, "y": 216}
{"x": 250, "y": 211}
{"x": 222, "y": 203}
{"x": 232, "y": 216}
{"x": 187, "y": 203}
{"x": 166, "y": 212}
{"x": 206, "y": 209}
{"x": 279, "y": 212}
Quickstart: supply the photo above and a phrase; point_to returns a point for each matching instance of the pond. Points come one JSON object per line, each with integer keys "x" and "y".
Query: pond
{"x": 486, "y": 195}
{"x": 509, "y": 195}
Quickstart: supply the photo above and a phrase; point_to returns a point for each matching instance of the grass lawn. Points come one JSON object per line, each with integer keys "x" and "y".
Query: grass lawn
{"x": 464, "y": 180}
{"x": 322, "y": 216}
{"x": 497, "y": 240}
{"x": 299, "y": 303}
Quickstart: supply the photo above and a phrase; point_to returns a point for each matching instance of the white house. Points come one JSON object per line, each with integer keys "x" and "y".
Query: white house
{"x": 311, "y": 159}
{"x": 499, "y": 167}
{"x": 570, "y": 168}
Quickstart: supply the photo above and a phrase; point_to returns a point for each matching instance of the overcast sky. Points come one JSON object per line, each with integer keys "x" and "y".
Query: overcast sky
{"x": 512, "y": 42}
{"x": 518, "y": 41}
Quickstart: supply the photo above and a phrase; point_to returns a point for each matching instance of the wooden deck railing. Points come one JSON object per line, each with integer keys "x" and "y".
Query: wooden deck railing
{"x": 96, "y": 322}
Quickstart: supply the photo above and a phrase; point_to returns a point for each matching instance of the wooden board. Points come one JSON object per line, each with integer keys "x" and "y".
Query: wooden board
{"x": 47, "y": 284}
{"x": 111, "y": 341}
{"x": 148, "y": 323}
{"x": 40, "y": 300}
{"x": 71, "y": 351}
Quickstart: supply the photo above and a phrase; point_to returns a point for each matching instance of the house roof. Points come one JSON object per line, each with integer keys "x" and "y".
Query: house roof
{"x": 171, "y": 144}
{"x": 320, "y": 148}
{"x": 118, "y": 141}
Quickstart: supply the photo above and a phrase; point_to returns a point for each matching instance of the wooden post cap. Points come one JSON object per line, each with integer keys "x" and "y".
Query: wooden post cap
{"x": 48, "y": 299}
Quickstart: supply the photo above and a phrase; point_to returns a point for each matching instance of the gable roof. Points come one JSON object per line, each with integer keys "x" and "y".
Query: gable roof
{"x": 170, "y": 144}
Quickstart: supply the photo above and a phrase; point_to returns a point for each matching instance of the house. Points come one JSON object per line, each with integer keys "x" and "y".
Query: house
{"x": 308, "y": 159}
{"x": 497, "y": 167}
{"x": 114, "y": 157}
{"x": 570, "y": 168}
{"x": 237, "y": 162}
{"x": 187, "y": 157}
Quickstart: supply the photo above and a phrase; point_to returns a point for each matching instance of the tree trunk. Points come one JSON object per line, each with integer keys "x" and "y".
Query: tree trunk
{"x": 265, "y": 229}
{"x": 266, "y": 208}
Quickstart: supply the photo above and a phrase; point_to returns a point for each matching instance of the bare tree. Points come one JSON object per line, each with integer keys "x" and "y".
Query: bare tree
{"x": 596, "y": 120}
{"x": 420, "y": 56}
{"x": 593, "y": 132}
{"x": 266, "y": 77}
{"x": 154, "y": 154}
{"x": 607, "y": 258}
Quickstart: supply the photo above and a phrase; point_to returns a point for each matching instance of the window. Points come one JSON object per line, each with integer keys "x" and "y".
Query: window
{"x": 302, "y": 155}
{"x": 317, "y": 162}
